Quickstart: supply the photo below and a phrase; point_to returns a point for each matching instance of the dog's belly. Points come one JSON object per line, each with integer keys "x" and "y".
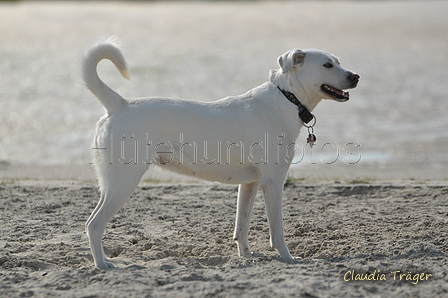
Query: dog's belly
{"x": 221, "y": 172}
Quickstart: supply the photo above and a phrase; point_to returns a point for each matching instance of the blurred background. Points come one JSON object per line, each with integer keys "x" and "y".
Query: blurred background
{"x": 394, "y": 126}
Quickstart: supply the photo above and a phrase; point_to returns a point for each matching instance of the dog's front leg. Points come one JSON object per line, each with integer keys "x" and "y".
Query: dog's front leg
{"x": 246, "y": 197}
{"x": 273, "y": 191}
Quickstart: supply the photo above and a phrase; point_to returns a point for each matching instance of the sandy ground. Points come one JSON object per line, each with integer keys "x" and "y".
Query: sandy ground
{"x": 175, "y": 240}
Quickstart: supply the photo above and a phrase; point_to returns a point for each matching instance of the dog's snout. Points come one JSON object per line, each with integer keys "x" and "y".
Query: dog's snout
{"x": 354, "y": 78}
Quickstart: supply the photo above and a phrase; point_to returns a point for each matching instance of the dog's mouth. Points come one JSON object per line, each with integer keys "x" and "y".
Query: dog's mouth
{"x": 335, "y": 93}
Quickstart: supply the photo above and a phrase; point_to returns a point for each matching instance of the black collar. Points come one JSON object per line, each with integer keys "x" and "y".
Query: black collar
{"x": 304, "y": 114}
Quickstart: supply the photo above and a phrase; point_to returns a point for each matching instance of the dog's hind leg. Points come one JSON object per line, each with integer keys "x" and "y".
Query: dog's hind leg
{"x": 246, "y": 197}
{"x": 117, "y": 186}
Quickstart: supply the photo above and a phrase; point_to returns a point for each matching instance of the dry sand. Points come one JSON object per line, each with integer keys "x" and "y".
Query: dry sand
{"x": 175, "y": 240}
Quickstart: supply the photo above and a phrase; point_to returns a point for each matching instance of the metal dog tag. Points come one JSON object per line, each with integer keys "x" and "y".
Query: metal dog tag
{"x": 311, "y": 140}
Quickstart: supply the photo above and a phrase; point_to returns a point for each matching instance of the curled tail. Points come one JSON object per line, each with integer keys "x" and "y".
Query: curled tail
{"x": 104, "y": 49}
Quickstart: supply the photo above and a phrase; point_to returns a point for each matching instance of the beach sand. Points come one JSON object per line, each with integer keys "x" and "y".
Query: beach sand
{"x": 175, "y": 240}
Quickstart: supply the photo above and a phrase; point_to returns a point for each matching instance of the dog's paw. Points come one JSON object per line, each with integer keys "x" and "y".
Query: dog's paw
{"x": 244, "y": 251}
{"x": 106, "y": 265}
{"x": 292, "y": 260}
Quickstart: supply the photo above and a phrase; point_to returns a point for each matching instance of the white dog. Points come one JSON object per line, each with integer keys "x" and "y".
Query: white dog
{"x": 247, "y": 139}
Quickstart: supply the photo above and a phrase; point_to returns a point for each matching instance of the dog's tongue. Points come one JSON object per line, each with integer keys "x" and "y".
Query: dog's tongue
{"x": 340, "y": 92}
{"x": 336, "y": 93}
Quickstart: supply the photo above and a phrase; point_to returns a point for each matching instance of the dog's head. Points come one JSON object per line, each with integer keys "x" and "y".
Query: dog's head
{"x": 317, "y": 73}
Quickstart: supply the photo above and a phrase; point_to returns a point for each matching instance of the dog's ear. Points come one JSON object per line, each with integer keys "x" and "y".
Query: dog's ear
{"x": 290, "y": 58}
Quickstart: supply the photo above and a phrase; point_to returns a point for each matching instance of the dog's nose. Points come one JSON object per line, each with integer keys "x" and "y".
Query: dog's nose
{"x": 354, "y": 77}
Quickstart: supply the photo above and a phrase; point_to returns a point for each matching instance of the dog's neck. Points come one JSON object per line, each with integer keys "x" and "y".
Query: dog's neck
{"x": 288, "y": 83}
{"x": 304, "y": 113}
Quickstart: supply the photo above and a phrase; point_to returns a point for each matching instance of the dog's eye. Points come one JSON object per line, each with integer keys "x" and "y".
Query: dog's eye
{"x": 328, "y": 65}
